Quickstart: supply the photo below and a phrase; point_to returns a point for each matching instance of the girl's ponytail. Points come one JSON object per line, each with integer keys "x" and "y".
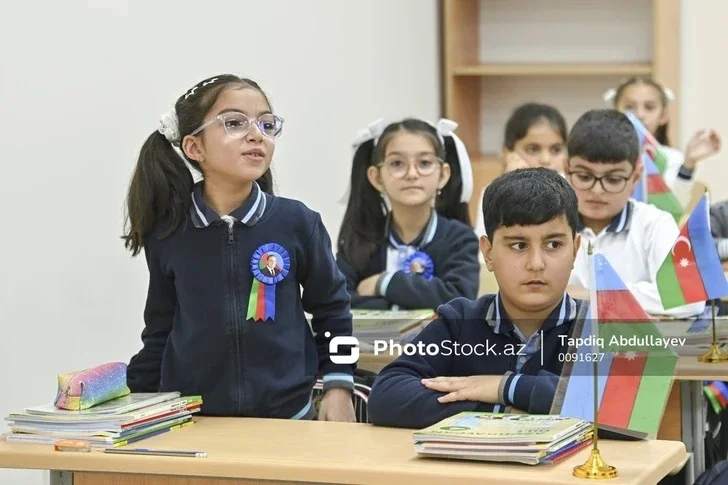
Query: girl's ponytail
{"x": 450, "y": 204}
{"x": 362, "y": 229}
{"x": 455, "y": 196}
{"x": 160, "y": 190}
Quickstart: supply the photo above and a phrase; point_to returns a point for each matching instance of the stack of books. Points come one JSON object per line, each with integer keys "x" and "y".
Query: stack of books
{"x": 114, "y": 423}
{"x": 517, "y": 438}
{"x": 386, "y": 325}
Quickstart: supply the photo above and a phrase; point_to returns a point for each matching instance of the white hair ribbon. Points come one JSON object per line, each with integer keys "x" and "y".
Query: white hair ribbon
{"x": 609, "y": 95}
{"x": 169, "y": 126}
{"x": 372, "y": 132}
{"x": 447, "y": 127}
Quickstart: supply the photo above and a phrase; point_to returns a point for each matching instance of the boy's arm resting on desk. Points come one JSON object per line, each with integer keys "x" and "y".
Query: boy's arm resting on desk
{"x": 326, "y": 299}
{"x": 398, "y": 397}
{"x": 144, "y": 369}
{"x": 533, "y": 394}
{"x": 458, "y": 276}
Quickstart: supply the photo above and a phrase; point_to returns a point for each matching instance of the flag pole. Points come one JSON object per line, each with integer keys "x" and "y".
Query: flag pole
{"x": 715, "y": 355}
{"x": 595, "y": 468}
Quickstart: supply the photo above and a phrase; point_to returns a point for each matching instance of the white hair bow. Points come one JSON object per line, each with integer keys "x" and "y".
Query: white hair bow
{"x": 169, "y": 126}
{"x": 372, "y": 132}
{"x": 447, "y": 127}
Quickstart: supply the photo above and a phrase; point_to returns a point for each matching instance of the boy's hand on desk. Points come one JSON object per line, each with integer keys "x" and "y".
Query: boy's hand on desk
{"x": 336, "y": 405}
{"x": 471, "y": 388}
{"x": 368, "y": 286}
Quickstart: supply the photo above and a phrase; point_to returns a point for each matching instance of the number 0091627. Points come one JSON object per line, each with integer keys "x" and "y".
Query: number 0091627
{"x": 581, "y": 357}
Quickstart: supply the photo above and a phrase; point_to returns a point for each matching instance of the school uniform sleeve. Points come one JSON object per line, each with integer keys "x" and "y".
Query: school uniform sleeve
{"x": 457, "y": 276}
{"x": 352, "y": 282}
{"x": 398, "y": 397}
{"x": 533, "y": 394}
{"x": 719, "y": 228}
{"x": 660, "y": 236}
{"x": 144, "y": 369}
{"x": 326, "y": 300}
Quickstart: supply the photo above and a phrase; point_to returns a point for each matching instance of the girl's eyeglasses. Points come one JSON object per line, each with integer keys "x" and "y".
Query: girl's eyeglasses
{"x": 398, "y": 168}
{"x": 237, "y": 125}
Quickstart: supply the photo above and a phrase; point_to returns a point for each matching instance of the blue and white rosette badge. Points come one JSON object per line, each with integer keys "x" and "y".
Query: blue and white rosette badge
{"x": 420, "y": 264}
{"x": 269, "y": 264}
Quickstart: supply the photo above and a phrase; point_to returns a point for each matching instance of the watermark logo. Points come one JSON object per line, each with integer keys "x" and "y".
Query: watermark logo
{"x": 343, "y": 341}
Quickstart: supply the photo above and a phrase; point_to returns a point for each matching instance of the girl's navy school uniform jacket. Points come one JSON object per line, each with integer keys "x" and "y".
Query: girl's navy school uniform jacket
{"x": 484, "y": 333}
{"x": 219, "y": 324}
{"x": 447, "y": 253}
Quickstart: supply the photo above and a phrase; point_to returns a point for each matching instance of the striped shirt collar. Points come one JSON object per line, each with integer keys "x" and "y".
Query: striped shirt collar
{"x": 621, "y": 222}
{"x": 425, "y": 237}
{"x": 249, "y": 213}
{"x": 498, "y": 320}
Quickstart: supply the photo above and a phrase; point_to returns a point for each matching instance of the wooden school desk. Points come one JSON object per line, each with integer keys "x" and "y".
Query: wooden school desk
{"x": 284, "y": 451}
{"x": 688, "y": 424}
{"x": 684, "y": 418}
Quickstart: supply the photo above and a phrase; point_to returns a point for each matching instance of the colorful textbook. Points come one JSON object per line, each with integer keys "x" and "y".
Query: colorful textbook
{"x": 516, "y": 438}
{"x": 115, "y": 423}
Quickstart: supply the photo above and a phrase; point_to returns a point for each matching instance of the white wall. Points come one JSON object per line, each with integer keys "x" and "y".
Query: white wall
{"x": 704, "y": 92}
{"x": 82, "y": 83}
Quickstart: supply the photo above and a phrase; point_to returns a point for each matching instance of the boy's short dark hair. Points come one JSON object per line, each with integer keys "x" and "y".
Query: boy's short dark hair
{"x": 604, "y": 136}
{"x": 528, "y": 197}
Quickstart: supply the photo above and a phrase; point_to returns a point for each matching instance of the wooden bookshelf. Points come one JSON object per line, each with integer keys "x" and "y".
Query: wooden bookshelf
{"x": 498, "y": 54}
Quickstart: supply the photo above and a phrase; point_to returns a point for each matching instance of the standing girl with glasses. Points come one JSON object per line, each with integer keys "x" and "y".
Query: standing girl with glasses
{"x": 219, "y": 322}
{"x": 406, "y": 242}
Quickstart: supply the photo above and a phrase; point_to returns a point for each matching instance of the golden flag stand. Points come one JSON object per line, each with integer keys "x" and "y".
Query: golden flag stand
{"x": 595, "y": 468}
{"x": 715, "y": 355}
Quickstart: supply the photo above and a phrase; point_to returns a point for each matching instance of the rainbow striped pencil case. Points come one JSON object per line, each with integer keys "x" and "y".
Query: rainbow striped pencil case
{"x": 87, "y": 388}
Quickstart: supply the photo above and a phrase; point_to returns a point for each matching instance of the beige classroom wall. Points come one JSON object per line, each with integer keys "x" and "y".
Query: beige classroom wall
{"x": 704, "y": 88}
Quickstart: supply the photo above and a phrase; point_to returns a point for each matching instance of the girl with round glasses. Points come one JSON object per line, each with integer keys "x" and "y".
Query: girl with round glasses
{"x": 406, "y": 240}
{"x": 224, "y": 315}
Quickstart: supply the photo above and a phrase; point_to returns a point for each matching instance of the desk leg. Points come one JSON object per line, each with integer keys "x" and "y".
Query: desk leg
{"x": 61, "y": 478}
{"x": 693, "y": 423}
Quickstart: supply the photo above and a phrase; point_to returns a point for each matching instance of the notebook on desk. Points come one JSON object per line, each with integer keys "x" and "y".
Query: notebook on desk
{"x": 516, "y": 438}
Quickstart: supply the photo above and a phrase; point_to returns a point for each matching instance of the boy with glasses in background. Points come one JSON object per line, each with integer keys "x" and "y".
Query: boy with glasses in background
{"x": 604, "y": 166}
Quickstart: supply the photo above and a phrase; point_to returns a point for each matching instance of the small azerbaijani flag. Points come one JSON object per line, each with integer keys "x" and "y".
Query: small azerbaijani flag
{"x": 634, "y": 370}
{"x": 692, "y": 270}
{"x": 649, "y": 144}
{"x": 653, "y": 190}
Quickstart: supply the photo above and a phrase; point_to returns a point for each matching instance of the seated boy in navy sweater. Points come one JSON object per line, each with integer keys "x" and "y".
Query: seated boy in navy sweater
{"x": 499, "y": 353}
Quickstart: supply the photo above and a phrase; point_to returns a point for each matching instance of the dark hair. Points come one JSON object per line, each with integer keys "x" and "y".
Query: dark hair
{"x": 661, "y": 135}
{"x": 528, "y": 197}
{"x": 362, "y": 229}
{"x": 162, "y": 184}
{"x": 529, "y": 114}
{"x": 604, "y": 136}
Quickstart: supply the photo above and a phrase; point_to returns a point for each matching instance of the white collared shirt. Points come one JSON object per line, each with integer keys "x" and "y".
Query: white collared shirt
{"x": 636, "y": 243}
